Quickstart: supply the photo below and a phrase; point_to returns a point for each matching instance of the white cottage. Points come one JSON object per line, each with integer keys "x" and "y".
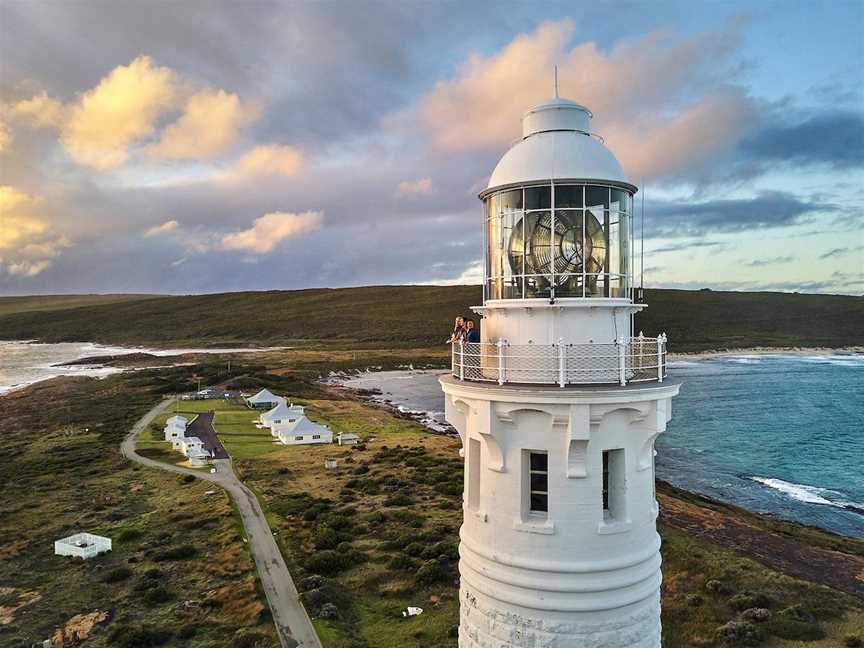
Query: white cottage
{"x": 190, "y": 445}
{"x": 347, "y": 439}
{"x": 264, "y": 399}
{"x": 282, "y": 414}
{"x": 304, "y": 431}
{"x": 175, "y": 427}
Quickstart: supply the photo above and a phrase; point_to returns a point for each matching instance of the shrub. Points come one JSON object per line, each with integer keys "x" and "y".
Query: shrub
{"x": 125, "y": 637}
{"x": 376, "y": 517}
{"x": 747, "y": 600}
{"x": 717, "y": 587}
{"x": 853, "y": 642}
{"x": 694, "y": 600}
{"x": 329, "y": 562}
{"x": 245, "y": 638}
{"x": 156, "y": 595}
{"x": 431, "y": 572}
{"x": 401, "y": 561}
{"x": 183, "y": 552}
{"x": 128, "y": 535}
{"x": 362, "y": 469}
{"x": 328, "y": 611}
{"x": 796, "y": 623}
{"x": 757, "y": 615}
{"x": 117, "y": 574}
{"x": 415, "y": 549}
{"x": 187, "y": 631}
{"x": 740, "y": 633}
{"x": 187, "y": 479}
{"x": 326, "y": 538}
{"x": 445, "y": 548}
{"x": 399, "y": 499}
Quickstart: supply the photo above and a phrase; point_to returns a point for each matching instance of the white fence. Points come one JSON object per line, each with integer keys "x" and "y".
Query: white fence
{"x": 82, "y": 545}
{"x": 640, "y": 359}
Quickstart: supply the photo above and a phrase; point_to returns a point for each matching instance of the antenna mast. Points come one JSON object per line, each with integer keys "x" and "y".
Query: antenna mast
{"x": 556, "y": 81}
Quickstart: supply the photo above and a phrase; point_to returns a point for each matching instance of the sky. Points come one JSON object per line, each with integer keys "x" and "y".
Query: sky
{"x": 191, "y": 147}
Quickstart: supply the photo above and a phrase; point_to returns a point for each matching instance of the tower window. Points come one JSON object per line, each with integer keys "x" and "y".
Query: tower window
{"x": 614, "y": 495}
{"x": 538, "y": 483}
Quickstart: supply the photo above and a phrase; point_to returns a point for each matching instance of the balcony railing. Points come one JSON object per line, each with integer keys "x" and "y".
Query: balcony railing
{"x": 639, "y": 360}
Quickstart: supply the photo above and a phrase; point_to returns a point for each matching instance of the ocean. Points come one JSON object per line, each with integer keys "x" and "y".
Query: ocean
{"x": 774, "y": 433}
{"x": 24, "y": 363}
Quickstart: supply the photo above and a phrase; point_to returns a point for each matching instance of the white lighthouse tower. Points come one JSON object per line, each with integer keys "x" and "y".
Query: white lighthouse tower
{"x": 558, "y": 406}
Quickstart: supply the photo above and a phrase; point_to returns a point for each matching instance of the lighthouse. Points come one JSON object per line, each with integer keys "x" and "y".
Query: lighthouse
{"x": 559, "y": 405}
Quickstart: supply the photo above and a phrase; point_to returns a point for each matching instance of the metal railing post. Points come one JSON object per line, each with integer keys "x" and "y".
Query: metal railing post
{"x": 660, "y": 358}
{"x": 622, "y": 363}
{"x": 461, "y": 360}
{"x": 561, "y": 363}
{"x": 500, "y": 345}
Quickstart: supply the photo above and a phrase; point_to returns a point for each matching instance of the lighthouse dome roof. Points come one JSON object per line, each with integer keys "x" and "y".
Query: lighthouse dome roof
{"x": 557, "y": 144}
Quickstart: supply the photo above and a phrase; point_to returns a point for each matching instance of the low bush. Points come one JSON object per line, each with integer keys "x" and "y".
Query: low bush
{"x": 117, "y": 575}
{"x": 157, "y": 595}
{"x": 747, "y": 600}
{"x": 432, "y": 572}
{"x": 796, "y": 623}
{"x": 740, "y": 633}
{"x": 757, "y": 615}
{"x": 182, "y": 552}
{"x": 139, "y": 637}
{"x": 853, "y": 642}
{"x": 399, "y": 499}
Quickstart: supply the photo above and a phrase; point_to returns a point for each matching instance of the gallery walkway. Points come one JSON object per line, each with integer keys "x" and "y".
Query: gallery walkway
{"x": 292, "y": 623}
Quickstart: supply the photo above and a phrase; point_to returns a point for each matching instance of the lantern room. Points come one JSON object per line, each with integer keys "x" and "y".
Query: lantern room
{"x": 558, "y": 213}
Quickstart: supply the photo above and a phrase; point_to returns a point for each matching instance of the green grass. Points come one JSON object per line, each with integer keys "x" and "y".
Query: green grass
{"x": 60, "y": 302}
{"x": 416, "y": 316}
{"x": 61, "y": 472}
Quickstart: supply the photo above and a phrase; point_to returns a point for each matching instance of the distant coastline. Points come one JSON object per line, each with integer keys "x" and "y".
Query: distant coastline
{"x": 702, "y": 355}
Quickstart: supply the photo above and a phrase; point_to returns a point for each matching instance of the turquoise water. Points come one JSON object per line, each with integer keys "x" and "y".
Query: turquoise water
{"x": 777, "y": 434}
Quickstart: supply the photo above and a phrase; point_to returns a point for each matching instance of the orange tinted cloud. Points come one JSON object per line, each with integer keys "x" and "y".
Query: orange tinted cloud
{"x": 270, "y": 230}
{"x": 122, "y": 109}
{"x": 210, "y": 124}
{"x": 655, "y": 98}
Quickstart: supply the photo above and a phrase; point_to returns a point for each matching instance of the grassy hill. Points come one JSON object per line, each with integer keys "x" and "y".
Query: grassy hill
{"x": 411, "y": 316}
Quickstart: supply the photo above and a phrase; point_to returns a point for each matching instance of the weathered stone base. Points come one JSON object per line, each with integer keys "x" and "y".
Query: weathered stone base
{"x": 484, "y": 624}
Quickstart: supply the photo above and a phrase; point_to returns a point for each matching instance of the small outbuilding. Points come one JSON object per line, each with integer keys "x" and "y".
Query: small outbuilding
{"x": 82, "y": 545}
{"x": 348, "y": 439}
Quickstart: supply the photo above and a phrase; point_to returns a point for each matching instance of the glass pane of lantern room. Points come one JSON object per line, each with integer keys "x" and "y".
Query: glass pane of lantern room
{"x": 568, "y": 196}
{"x": 621, "y": 200}
{"x": 511, "y": 251}
{"x": 596, "y": 248}
{"x": 538, "y": 198}
{"x": 494, "y": 257}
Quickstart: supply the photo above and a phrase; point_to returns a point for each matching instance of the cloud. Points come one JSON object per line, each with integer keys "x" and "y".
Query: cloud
{"x": 27, "y": 244}
{"x": 767, "y": 209}
{"x": 39, "y": 110}
{"x": 165, "y": 228}
{"x": 209, "y": 125}
{"x": 687, "y": 245}
{"x": 834, "y": 138}
{"x": 270, "y": 230}
{"x": 269, "y": 159}
{"x": 759, "y": 263}
{"x": 121, "y": 110}
{"x": 656, "y": 97}
{"x": 5, "y": 136}
{"x": 838, "y": 252}
{"x": 414, "y": 187}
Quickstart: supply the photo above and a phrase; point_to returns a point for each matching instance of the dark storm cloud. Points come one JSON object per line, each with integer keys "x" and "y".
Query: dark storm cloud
{"x": 835, "y": 138}
{"x": 768, "y": 209}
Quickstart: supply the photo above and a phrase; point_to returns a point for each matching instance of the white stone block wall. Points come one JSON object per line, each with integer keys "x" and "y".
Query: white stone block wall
{"x": 574, "y": 578}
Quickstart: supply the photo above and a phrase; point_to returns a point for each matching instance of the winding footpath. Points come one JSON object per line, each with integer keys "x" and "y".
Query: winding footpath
{"x": 292, "y": 623}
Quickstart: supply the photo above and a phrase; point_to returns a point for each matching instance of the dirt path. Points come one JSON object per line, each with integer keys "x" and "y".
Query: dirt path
{"x": 788, "y": 555}
{"x": 292, "y": 623}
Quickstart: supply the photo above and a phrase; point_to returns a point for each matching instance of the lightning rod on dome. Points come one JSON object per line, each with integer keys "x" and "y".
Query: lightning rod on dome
{"x": 556, "y": 82}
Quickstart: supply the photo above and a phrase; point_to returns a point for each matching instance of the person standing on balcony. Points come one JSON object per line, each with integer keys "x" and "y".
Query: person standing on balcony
{"x": 472, "y": 333}
{"x": 458, "y": 330}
